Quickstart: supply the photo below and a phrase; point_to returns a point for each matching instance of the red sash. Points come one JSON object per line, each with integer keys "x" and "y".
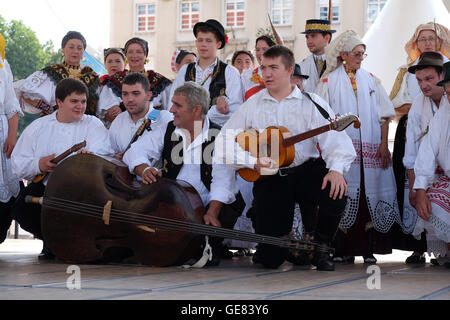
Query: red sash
{"x": 253, "y": 91}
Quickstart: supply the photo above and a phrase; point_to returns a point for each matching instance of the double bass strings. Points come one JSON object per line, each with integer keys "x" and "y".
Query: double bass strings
{"x": 177, "y": 225}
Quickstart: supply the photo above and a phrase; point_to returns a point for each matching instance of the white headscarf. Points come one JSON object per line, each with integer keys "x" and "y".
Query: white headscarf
{"x": 346, "y": 42}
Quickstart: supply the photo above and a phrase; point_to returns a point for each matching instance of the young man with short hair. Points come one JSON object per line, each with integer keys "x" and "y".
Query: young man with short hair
{"x": 318, "y": 35}
{"x": 48, "y": 137}
{"x": 283, "y": 104}
{"x": 221, "y": 80}
{"x": 136, "y": 97}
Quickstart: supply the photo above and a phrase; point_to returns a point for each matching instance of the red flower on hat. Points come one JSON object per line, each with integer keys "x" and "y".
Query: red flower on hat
{"x": 226, "y": 39}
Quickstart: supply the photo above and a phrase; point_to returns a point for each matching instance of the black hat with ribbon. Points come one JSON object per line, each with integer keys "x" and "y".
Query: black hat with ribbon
{"x": 298, "y": 72}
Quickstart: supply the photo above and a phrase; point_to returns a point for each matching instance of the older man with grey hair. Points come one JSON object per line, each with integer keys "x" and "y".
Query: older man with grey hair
{"x": 183, "y": 150}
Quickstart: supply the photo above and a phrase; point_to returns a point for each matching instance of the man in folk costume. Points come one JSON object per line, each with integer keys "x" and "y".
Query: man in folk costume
{"x": 318, "y": 35}
{"x": 372, "y": 208}
{"x": 432, "y": 188}
{"x": 182, "y": 150}
{"x": 428, "y": 72}
{"x": 48, "y": 137}
{"x": 429, "y": 37}
{"x": 9, "y": 122}
{"x": 283, "y": 104}
{"x": 221, "y": 80}
{"x": 136, "y": 97}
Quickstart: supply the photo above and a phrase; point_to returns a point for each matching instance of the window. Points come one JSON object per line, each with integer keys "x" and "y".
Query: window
{"x": 281, "y": 12}
{"x": 189, "y": 14}
{"x": 235, "y": 10}
{"x": 323, "y": 10}
{"x": 374, "y": 7}
{"x": 146, "y": 17}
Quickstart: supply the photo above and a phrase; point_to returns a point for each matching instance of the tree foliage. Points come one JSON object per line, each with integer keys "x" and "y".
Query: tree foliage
{"x": 24, "y": 52}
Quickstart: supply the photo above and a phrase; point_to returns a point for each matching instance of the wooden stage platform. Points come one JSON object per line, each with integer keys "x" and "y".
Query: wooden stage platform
{"x": 24, "y": 277}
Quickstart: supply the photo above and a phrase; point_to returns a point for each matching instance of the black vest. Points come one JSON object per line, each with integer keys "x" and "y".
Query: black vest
{"x": 218, "y": 84}
{"x": 172, "y": 169}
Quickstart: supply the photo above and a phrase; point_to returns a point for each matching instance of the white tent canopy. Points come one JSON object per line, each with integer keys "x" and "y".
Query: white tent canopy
{"x": 393, "y": 28}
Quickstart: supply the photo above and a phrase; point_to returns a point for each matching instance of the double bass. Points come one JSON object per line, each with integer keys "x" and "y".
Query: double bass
{"x": 94, "y": 210}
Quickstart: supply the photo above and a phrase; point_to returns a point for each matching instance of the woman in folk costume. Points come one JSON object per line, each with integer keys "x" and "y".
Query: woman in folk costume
{"x": 372, "y": 206}
{"x": 37, "y": 92}
{"x": 433, "y": 186}
{"x": 110, "y": 104}
{"x": 136, "y": 51}
{"x": 429, "y": 37}
{"x": 252, "y": 81}
{"x": 9, "y": 121}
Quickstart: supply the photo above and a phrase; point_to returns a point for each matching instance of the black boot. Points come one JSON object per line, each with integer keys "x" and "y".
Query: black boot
{"x": 322, "y": 259}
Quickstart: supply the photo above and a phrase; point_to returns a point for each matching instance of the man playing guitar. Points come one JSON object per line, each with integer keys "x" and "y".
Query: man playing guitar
{"x": 308, "y": 177}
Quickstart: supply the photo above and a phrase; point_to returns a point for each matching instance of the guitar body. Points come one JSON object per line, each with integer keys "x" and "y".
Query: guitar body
{"x": 270, "y": 143}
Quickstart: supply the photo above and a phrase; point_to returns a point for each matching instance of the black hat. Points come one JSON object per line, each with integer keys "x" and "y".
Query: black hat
{"x": 298, "y": 72}
{"x": 73, "y": 35}
{"x": 446, "y": 74}
{"x": 140, "y": 41}
{"x": 428, "y": 59}
{"x": 216, "y": 25}
{"x": 318, "y": 25}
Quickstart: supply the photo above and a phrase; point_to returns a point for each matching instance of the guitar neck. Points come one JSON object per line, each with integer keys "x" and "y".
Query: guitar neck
{"x": 304, "y": 136}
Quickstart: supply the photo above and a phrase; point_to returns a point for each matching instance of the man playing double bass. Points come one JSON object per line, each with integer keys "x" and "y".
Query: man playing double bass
{"x": 48, "y": 137}
{"x": 283, "y": 104}
{"x": 183, "y": 149}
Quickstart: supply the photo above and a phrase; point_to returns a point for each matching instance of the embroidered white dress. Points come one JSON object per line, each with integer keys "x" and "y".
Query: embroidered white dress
{"x": 9, "y": 106}
{"x": 435, "y": 151}
{"x": 371, "y": 105}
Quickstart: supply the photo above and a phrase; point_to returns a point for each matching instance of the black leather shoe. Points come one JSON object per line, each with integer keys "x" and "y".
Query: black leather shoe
{"x": 416, "y": 259}
{"x": 323, "y": 262}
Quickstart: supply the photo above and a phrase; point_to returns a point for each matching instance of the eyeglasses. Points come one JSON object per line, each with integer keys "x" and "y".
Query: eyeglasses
{"x": 358, "y": 55}
{"x": 430, "y": 39}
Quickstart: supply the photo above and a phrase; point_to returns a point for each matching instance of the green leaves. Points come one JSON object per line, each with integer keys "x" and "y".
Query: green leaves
{"x": 24, "y": 52}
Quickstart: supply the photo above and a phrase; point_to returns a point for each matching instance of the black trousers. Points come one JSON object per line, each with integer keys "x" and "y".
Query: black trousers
{"x": 5, "y": 218}
{"x": 28, "y": 215}
{"x": 275, "y": 199}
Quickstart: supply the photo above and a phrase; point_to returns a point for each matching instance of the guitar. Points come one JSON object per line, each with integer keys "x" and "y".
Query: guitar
{"x": 278, "y": 144}
{"x": 59, "y": 158}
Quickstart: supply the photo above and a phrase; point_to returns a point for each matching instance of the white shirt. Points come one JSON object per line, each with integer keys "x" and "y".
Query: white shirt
{"x": 298, "y": 115}
{"x": 233, "y": 89}
{"x": 309, "y": 68}
{"x": 422, "y": 111}
{"x": 148, "y": 150}
{"x": 123, "y": 128}
{"x": 46, "y": 136}
{"x": 434, "y": 150}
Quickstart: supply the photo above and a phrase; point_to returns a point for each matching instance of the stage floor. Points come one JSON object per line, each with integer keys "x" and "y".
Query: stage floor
{"x": 24, "y": 277}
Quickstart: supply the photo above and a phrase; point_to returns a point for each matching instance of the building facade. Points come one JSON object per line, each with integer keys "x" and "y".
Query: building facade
{"x": 167, "y": 24}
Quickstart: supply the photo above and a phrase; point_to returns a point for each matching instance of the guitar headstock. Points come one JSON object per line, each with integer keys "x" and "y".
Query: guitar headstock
{"x": 343, "y": 122}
